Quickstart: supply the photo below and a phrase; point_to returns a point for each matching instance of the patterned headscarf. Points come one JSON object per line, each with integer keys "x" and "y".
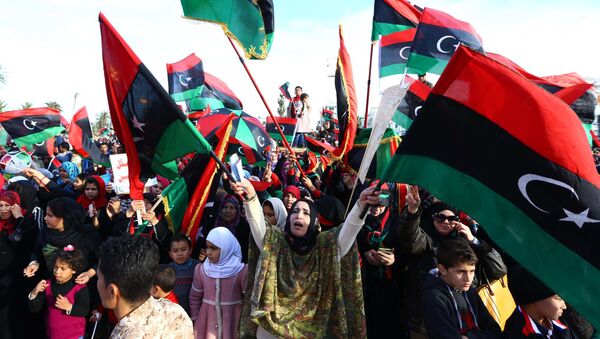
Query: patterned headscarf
{"x": 71, "y": 169}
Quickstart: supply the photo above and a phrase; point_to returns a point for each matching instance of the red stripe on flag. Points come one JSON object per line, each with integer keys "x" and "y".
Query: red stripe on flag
{"x": 420, "y": 89}
{"x": 282, "y": 120}
{"x": 474, "y": 81}
{"x": 5, "y": 116}
{"x": 184, "y": 65}
{"x": 404, "y": 8}
{"x": 398, "y": 37}
{"x": 438, "y": 18}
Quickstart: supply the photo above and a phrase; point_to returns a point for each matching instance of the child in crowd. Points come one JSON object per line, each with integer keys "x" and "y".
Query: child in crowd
{"x": 538, "y": 309}
{"x": 164, "y": 282}
{"x": 67, "y": 302}
{"x": 180, "y": 252}
{"x": 218, "y": 316}
{"x": 451, "y": 306}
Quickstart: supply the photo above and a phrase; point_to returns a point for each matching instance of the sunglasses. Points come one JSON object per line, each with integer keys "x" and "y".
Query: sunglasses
{"x": 441, "y": 218}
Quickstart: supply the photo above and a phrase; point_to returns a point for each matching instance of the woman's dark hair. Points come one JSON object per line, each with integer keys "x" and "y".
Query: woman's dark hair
{"x": 303, "y": 96}
{"x": 72, "y": 213}
{"x": 74, "y": 258}
{"x": 83, "y": 176}
{"x": 91, "y": 180}
{"x": 130, "y": 263}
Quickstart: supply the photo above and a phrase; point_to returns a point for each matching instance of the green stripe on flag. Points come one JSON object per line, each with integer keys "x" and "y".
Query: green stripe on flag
{"x": 426, "y": 64}
{"x": 501, "y": 220}
{"x": 244, "y": 134}
{"x": 382, "y": 28}
{"x": 187, "y": 95}
{"x": 277, "y": 136}
{"x": 396, "y": 69}
{"x": 175, "y": 200}
{"x": 38, "y": 137}
{"x": 588, "y": 128}
{"x": 178, "y": 139}
{"x": 402, "y": 120}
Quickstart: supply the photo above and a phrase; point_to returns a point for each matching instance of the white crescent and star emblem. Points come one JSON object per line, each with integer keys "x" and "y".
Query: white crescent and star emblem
{"x": 577, "y": 218}
{"x": 441, "y": 41}
{"x": 401, "y": 52}
{"x": 29, "y": 124}
{"x": 282, "y": 128}
{"x": 40, "y": 143}
{"x": 261, "y": 141}
{"x": 184, "y": 81}
{"x": 241, "y": 150}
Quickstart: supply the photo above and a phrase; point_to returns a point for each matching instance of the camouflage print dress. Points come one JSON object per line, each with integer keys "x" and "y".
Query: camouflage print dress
{"x": 304, "y": 296}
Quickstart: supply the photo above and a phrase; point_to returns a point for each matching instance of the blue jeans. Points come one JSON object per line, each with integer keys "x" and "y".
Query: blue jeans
{"x": 299, "y": 140}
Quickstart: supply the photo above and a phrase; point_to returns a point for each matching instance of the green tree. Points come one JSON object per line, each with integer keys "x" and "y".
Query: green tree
{"x": 102, "y": 122}
{"x": 27, "y": 105}
{"x": 2, "y": 105}
{"x": 281, "y": 105}
{"x": 54, "y": 105}
{"x": 2, "y": 75}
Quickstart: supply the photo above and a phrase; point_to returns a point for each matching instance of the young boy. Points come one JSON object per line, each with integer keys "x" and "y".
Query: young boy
{"x": 451, "y": 307}
{"x": 164, "y": 282}
{"x": 538, "y": 309}
{"x": 184, "y": 266}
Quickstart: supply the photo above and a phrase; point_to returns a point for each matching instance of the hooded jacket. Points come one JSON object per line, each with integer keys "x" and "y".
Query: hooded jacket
{"x": 450, "y": 313}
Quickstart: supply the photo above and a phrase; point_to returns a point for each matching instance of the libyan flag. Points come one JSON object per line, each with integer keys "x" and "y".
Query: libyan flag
{"x": 184, "y": 198}
{"x": 387, "y": 147}
{"x": 516, "y": 159}
{"x": 411, "y": 104}
{"x": 390, "y": 16}
{"x": 30, "y": 126}
{"x": 438, "y": 36}
{"x": 190, "y": 84}
{"x": 288, "y": 127}
{"x": 148, "y": 123}
{"x": 251, "y": 23}
{"x": 346, "y": 100}
{"x": 80, "y": 137}
{"x": 394, "y": 50}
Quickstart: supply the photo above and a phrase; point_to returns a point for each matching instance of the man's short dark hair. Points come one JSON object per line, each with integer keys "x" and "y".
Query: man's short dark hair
{"x": 177, "y": 237}
{"x": 454, "y": 252}
{"x": 65, "y": 145}
{"x": 295, "y": 88}
{"x": 130, "y": 263}
{"x": 165, "y": 278}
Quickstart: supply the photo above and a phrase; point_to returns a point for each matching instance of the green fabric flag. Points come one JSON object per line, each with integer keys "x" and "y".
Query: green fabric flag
{"x": 250, "y": 23}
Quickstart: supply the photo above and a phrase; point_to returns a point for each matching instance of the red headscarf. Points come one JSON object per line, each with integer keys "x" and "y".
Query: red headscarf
{"x": 10, "y": 198}
{"x": 100, "y": 201}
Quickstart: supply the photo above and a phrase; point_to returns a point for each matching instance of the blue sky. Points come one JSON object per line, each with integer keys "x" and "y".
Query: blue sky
{"x": 51, "y": 48}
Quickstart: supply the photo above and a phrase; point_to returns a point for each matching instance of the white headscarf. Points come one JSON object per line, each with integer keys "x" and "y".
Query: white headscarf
{"x": 279, "y": 210}
{"x": 230, "y": 261}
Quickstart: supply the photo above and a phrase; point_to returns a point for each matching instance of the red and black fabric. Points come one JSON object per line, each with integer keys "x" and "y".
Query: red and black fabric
{"x": 81, "y": 138}
{"x": 392, "y": 16}
{"x": 151, "y": 127}
{"x": 45, "y": 148}
{"x": 317, "y": 146}
{"x": 346, "y": 100}
{"x": 29, "y": 126}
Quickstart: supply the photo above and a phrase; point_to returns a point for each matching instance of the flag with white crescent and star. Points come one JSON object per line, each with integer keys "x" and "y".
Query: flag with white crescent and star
{"x": 408, "y": 109}
{"x": 390, "y": 16}
{"x": 27, "y": 127}
{"x": 438, "y": 36}
{"x": 394, "y": 50}
{"x": 151, "y": 127}
{"x": 81, "y": 139}
{"x": 288, "y": 127}
{"x": 515, "y": 158}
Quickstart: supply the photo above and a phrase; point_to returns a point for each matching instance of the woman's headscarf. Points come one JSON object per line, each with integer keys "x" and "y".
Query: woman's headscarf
{"x": 302, "y": 245}
{"x": 100, "y": 200}
{"x": 71, "y": 169}
{"x": 10, "y": 198}
{"x": 230, "y": 261}
{"x": 279, "y": 210}
{"x": 231, "y": 225}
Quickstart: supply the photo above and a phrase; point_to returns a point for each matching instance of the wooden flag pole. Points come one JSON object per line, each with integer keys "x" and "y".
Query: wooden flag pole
{"x": 369, "y": 85}
{"x": 285, "y": 143}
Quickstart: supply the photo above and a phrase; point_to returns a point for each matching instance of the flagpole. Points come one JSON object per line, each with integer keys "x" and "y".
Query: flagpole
{"x": 285, "y": 143}
{"x": 369, "y": 85}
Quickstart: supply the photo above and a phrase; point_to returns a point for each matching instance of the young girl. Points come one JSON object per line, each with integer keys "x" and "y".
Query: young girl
{"x": 68, "y": 303}
{"x": 216, "y": 295}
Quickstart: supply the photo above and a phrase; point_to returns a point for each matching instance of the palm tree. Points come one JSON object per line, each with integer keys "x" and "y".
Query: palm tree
{"x": 27, "y": 105}
{"x": 54, "y": 105}
{"x": 2, "y": 105}
{"x": 2, "y": 75}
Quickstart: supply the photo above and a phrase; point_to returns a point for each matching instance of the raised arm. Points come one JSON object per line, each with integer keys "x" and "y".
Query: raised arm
{"x": 353, "y": 222}
{"x": 254, "y": 213}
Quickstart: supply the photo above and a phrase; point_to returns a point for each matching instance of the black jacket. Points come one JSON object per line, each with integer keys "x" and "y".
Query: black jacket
{"x": 419, "y": 242}
{"x": 442, "y": 308}
{"x": 516, "y": 328}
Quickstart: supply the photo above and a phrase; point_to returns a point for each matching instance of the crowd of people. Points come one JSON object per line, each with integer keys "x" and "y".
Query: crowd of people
{"x": 295, "y": 258}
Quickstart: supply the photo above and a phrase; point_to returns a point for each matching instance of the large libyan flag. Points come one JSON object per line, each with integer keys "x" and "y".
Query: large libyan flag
{"x": 516, "y": 159}
{"x": 147, "y": 121}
